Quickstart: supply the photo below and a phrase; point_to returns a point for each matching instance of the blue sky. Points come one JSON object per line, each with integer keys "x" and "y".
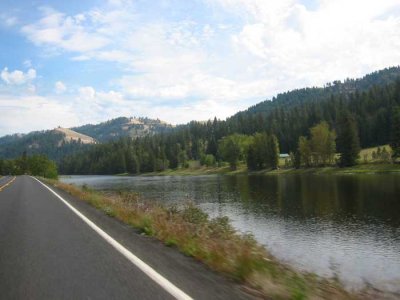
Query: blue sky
{"x": 75, "y": 62}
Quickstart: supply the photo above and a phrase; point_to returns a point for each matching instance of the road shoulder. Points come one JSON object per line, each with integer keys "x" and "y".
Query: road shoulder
{"x": 189, "y": 275}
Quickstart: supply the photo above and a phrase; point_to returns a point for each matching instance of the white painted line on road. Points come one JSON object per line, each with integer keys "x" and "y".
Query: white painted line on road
{"x": 149, "y": 271}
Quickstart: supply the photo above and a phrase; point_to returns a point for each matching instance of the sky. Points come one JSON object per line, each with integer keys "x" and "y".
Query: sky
{"x": 69, "y": 63}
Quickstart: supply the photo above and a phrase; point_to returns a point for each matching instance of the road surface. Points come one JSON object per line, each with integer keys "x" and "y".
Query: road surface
{"x": 48, "y": 252}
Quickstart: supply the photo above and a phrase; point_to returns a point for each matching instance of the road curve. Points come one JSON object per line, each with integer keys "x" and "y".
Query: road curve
{"x": 48, "y": 252}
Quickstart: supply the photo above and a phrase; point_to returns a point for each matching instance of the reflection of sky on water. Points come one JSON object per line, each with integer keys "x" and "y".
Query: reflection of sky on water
{"x": 346, "y": 224}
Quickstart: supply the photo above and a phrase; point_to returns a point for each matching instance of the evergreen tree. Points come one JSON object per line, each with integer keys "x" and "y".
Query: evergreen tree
{"x": 251, "y": 159}
{"x": 212, "y": 147}
{"x": 182, "y": 159}
{"x": 262, "y": 152}
{"x": 348, "y": 141}
{"x": 273, "y": 152}
{"x": 24, "y": 163}
{"x": 395, "y": 134}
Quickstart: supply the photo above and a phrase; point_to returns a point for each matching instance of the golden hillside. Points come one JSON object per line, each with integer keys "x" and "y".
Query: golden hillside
{"x": 71, "y": 135}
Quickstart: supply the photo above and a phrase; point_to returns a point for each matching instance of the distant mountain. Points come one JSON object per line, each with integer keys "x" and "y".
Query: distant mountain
{"x": 122, "y": 127}
{"x": 290, "y": 114}
{"x": 54, "y": 143}
{"x": 60, "y": 142}
{"x": 348, "y": 86}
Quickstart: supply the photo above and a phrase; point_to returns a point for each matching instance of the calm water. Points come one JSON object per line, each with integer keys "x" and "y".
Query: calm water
{"x": 348, "y": 225}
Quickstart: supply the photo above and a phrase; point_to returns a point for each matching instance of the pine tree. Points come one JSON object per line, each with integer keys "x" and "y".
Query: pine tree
{"x": 212, "y": 147}
{"x": 348, "y": 140}
{"x": 395, "y": 134}
{"x": 261, "y": 150}
{"x": 273, "y": 153}
{"x": 251, "y": 158}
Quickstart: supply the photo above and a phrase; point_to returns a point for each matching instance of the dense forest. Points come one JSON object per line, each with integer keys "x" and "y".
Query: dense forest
{"x": 289, "y": 115}
{"x": 367, "y": 103}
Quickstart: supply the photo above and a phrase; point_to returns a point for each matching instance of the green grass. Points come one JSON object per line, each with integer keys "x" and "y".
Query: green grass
{"x": 370, "y": 168}
{"x": 200, "y": 170}
{"x": 366, "y": 165}
{"x": 358, "y": 169}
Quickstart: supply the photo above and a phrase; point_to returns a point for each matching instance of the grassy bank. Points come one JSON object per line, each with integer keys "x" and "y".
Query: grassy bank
{"x": 358, "y": 169}
{"x": 242, "y": 169}
{"x": 368, "y": 163}
{"x": 215, "y": 243}
{"x": 203, "y": 170}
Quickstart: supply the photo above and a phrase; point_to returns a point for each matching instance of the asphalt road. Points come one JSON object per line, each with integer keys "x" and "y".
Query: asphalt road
{"x": 48, "y": 252}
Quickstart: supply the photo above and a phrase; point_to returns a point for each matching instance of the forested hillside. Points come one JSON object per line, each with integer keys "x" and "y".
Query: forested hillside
{"x": 51, "y": 143}
{"x": 289, "y": 115}
{"x": 55, "y": 144}
{"x": 123, "y": 127}
{"x": 370, "y": 101}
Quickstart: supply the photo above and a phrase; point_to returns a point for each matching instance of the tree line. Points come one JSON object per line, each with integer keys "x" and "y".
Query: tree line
{"x": 291, "y": 114}
{"x": 36, "y": 165}
{"x": 311, "y": 124}
{"x": 321, "y": 145}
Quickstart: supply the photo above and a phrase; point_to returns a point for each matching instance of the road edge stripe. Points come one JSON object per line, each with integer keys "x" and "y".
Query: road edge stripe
{"x": 7, "y": 184}
{"x": 149, "y": 271}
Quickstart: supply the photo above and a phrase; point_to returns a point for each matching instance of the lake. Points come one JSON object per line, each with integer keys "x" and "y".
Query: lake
{"x": 348, "y": 225}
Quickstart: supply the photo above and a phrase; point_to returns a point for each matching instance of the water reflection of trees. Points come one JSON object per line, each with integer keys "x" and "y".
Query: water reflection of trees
{"x": 368, "y": 198}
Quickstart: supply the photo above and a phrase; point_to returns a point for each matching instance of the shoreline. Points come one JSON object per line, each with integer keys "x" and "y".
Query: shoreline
{"x": 242, "y": 170}
{"x": 215, "y": 243}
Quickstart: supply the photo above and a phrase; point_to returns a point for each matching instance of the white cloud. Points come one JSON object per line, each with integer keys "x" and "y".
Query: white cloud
{"x": 25, "y": 113}
{"x": 186, "y": 68}
{"x": 31, "y": 88}
{"x": 80, "y": 58}
{"x": 28, "y": 113}
{"x": 17, "y": 77}
{"x": 11, "y": 21}
{"x": 335, "y": 40}
{"x": 114, "y": 104}
{"x": 59, "y": 87}
{"x": 70, "y": 33}
{"x": 113, "y": 56}
{"x": 27, "y": 63}
{"x": 87, "y": 93}
{"x": 8, "y": 20}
